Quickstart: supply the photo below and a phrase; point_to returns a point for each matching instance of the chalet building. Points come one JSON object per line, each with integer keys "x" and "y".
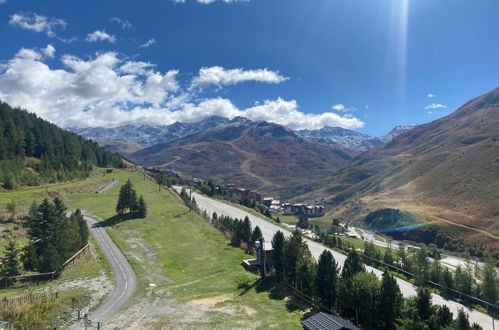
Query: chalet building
{"x": 303, "y": 209}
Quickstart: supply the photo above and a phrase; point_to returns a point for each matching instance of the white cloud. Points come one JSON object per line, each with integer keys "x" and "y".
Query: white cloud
{"x": 49, "y": 51}
{"x": 2, "y": 2}
{"x": 37, "y": 23}
{"x": 338, "y": 107}
{"x": 99, "y": 35}
{"x": 150, "y": 42}
{"x": 430, "y": 95}
{"x": 342, "y": 108}
{"x": 435, "y": 106}
{"x": 219, "y": 76}
{"x": 109, "y": 91}
{"x": 125, "y": 25}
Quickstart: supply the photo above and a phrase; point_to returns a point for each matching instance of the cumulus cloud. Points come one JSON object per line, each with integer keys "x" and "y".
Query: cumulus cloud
{"x": 125, "y": 25}
{"x": 49, "y": 51}
{"x": 107, "y": 90}
{"x": 430, "y": 95}
{"x": 435, "y": 106}
{"x": 99, "y": 35}
{"x": 37, "y": 23}
{"x": 150, "y": 42}
{"x": 219, "y": 76}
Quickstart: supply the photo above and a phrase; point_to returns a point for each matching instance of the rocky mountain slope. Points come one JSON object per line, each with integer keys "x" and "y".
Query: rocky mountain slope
{"x": 444, "y": 173}
{"x": 258, "y": 155}
{"x": 130, "y": 138}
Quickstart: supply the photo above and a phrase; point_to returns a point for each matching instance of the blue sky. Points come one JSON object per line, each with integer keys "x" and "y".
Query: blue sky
{"x": 362, "y": 64}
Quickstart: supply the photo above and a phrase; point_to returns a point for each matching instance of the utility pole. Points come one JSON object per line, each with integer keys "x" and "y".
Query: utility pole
{"x": 190, "y": 200}
{"x": 262, "y": 259}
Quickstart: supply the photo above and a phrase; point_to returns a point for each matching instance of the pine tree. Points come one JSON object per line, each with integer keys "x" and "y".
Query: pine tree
{"x": 236, "y": 233}
{"x": 490, "y": 282}
{"x": 291, "y": 254}
{"x": 326, "y": 279}
{"x": 246, "y": 230}
{"x": 305, "y": 270}
{"x": 10, "y": 266}
{"x": 82, "y": 226}
{"x": 390, "y": 302}
{"x": 141, "y": 207}
{"x": 352, "y": 265}
{"x": 256, "y": 236}
{"x": 462, "y": 322}
{"x": 423, "y": 304}
{"x": 127, "y": 198}
{"x": 277, "y": 253}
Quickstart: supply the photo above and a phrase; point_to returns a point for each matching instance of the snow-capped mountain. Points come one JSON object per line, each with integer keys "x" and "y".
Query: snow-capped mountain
{"x": 145, "y": 135}
{"x": 397, "y": 130}
{"x": 348, "y": 139}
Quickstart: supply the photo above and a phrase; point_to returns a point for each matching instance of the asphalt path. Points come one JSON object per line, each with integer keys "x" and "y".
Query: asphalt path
{"x": 125, "y": 278}
{"x": 107, "y": 187}
{"x": 269, "y": 229}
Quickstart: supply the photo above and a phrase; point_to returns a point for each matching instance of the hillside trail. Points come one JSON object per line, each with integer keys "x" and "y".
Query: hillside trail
{"x": 246, "y": 164}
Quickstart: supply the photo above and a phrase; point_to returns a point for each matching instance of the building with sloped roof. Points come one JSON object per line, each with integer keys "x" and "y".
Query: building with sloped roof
{"x": 324, "y": 321}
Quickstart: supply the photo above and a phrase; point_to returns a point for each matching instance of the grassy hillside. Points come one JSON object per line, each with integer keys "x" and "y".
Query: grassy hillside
{"x": 444, "y": 173}
{"x": 188, "y": 275}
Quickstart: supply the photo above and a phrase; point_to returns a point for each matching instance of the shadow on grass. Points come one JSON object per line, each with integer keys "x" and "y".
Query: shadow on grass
{"x": 117, "y": 219}
{"x": 276, "y": 291}
{"x": 181, "y": 214}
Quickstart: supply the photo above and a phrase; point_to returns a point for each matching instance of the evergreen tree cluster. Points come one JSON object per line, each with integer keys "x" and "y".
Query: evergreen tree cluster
{"x": 54, "y": 236}
{"x": 34, "y": 151}
{"x": 128, "y": 200}
{"x": 424, "y": 263}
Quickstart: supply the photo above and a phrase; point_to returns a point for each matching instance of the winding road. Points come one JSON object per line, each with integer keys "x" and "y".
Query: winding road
{"x": 126, "y": 280}
{"x": 269, "y": 229}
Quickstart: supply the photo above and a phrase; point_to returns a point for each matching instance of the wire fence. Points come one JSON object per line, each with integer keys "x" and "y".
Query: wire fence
{"x": 49, "y": 275}
{"x": 29, "y": 298}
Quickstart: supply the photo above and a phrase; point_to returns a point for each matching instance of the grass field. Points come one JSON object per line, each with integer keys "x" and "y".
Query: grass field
{"x": 182, "y": 261}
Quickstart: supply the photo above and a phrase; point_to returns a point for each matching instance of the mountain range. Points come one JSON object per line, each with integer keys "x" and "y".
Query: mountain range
{"x": 258, "y": 155}
{"x": 127, "y": 139}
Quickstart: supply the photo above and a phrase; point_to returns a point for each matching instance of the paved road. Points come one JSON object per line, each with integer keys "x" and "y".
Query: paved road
{"x": 269, "y": 229}
{"x": 126, "y": 280}
{"x": 107, "y": 187}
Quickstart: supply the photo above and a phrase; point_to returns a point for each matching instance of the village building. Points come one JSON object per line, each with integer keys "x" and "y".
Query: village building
{"x": 303, "y": 209}
{"x": 241, "y": 193}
